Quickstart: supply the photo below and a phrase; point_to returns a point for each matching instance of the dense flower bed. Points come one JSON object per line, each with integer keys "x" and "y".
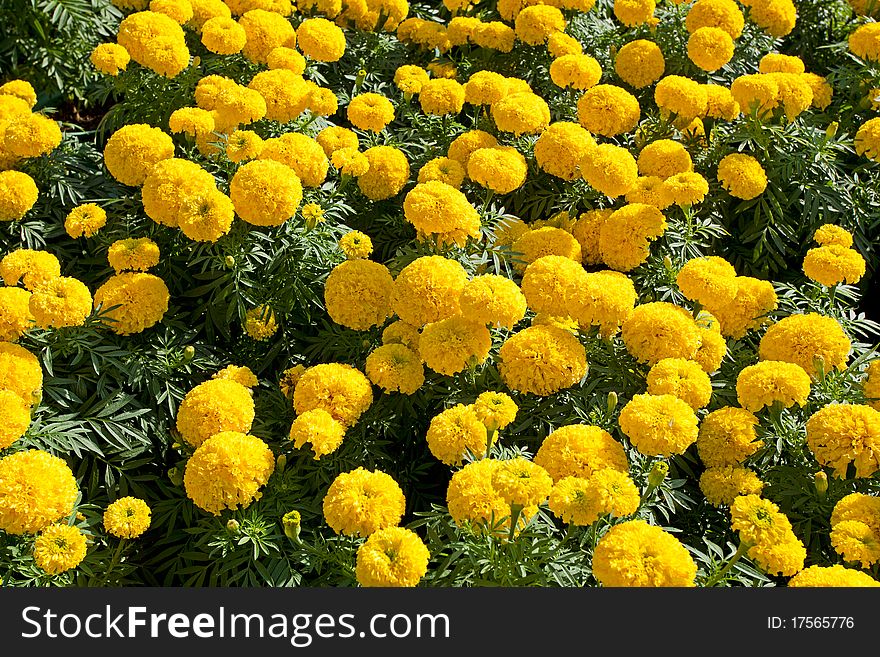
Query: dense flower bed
{"x": 450, "y": 294}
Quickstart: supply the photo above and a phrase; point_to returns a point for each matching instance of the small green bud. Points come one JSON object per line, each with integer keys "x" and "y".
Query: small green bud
{"x": 819, "y": 366}
{"x": 189, "y": 353}
{"x": 233, "y": 527}
{"x": 361, "y": 76}
{"x": 667, "y": 262}
{"x": 658, "y": 474}
{"x": 280, "y": 463}
{"x": 831, "y": 130}
{"x": 230, "y": 261}
{"x": 292, "y": 523}
{"x": 612, "y": 401}
{"x": 820, "y": 479}
{"x": 176, "y": 476}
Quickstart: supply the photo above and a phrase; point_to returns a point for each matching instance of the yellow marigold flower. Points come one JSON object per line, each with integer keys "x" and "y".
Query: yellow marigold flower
{"x": 388, "y": 172}
{"x": 871, "y": 384}
{"x": 350, "y": 162}
{"x": 18, "y": 193}
{"x": 682, "y": 97}
{"x": 59, "y": 548}
{"x": 31, "y": 135}
{"x": 37, "y": 490}
{"x": 440, "y": 96}
{"x": 831, "y": 576}
{"x": 265, "y": 192}
{"x": 127, "y": 517}
{"x": 713, "y": 349}
{"x": 449, "y": 346}
{"x": 445, "y": 69}
{"x": 242, "y": 375}
{"x": 283, "y": 57}
{"x": 840, "y": 434}
{"x": 227, "y": 471}
{"x": 521, "y": 483}
{"x": 640, "y": 63}
{"x": 708, "y": 280}
{"x": 562, "y": 147}
{"x": 860, "y": 507}
{"x": 473, "y": 502}
{"x": 21, "y": 89}
{"x": 660, "y": 330}
{"x": 550, "y": 282}
{"x": 605, "y": 299}
{"x": 776, "y": 17}
{"x": 833, "y": 264}
{"x": 399, "y": 332}
{"x": 281, "y": 7}
{"x": 265, "y": 31}
{"x": 727, "y": 437}
{"x": 686, "y": 189}
{"x": 395, "y": 368}
{"x": 154, "y": 41}
{"x": 586, "y": 231}
{"x": 634, "y": 12}
{"x": 723, "y": 14}
{"x": 867, "y": 140}
{"x": 85, "y": 220}
{"x": 435, "y": 207}
{"x": 370, "y": 112}
{"x": 608, "y": 110}
{"x": 301, "y": 153}
{"x": 521, "y": 113}
{"x": 357, "y": 294}
{"x": 721, "y": 485}
{"x": 110, "y": 58}
{"x": 320, "y": 429}
{"x": 542, "y": 360}
{"x": 583, "y": 501}
{"x": 575, "y": 71}
{"x": 783, "y": 558}
{"x": 500, "y": 168}
{"x": 664, "y": 158}
{"x": 635, "y": 553}
{"x": 171, "y": 186}
{"x": 680, "y": 378}
{"x": 361, "y": 502}
{"x": 465, "y": 144}
{"x": 650, "y": 190}
{"x": 289, "y": 378}
{"x": 410, "y": 78}
{"x": 774, "y": 62}
{"x": 213, "y": 407}
{"x": 721, "y": 103}
{"x": 457, "y": 432}
{"x": 829, "y": 234}
{"x": 206, "y": 217}
{"x": 322, "y": 101}
{"x": 133, "y": 254}
{"x": 822, "y": 91}
{"x": 742, "y": 176}
{"x": 625, "y": 236}
{"x": 428, "y": 289}
{"x": 285, "y": 94}
{"x": 356, "y": 245}
{"x": 535, "y": 24}
{"x": 494, "y": 35}
{"x": 560, "y": 43}
{"x": 193, "y": 121}
{"x": 339, "y": 389}
{"x": 805, "y": 339}
{"x": 132, "y": 151}
{"x": 460, "y": 29}
{"x": 545, "y": 241}
{"x": 756, "y": 94}
{"x": 496, "y": 410}
{"x": 63, "y": 301}
{"x": 132, "y": 302}
{"x": 754, "y": 299}
{"x": 795, "y": 94}
{"x": 774, "y": 547}
{"x": 320, "y": 39}
{"x": 204, "y": 10}
{"x": 15, "y": 314}
{"x": 15, "y": 416}
{"x": 180, "y": 11}
{"x": 710, "y": 48}
{"x": 769, "y": 382}
{"x": 493, "y": 300}
{"x": 485, "y": 88}
{"x": 659, "y": 425}
{"x": 579, "y": 451}
{"x": 12, "y": 107}
{"x": 610, "y": 169}
{"x": 20, "y": 373}
{"x": 443, "y": 169}
{"x": 392, "y": 557}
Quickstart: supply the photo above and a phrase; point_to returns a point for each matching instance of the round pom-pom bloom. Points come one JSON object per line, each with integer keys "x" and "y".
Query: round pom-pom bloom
{"x": 550, "y": 283}
{"x": 560, "y": 43}
{"x": 742, "y": 176}
{"x": 15, "y": 313}
{"x": 443, "y": 169}
{"x": 33, "y": 268}
{"x": 635, "y": 553}
{"x": 535, "y": 24}
{"x": 473, "y": 502}
{"x": 542, "y": 360}
{"x": 650, "y": 190}
{"x": 840, "y": 434}
{"x": 61, "y": 302}
{"x": 400, "y": 332}
{"x": 410, "y": 78}
{"x": 59, "y": 548}
{"x": 834, "y": 264}
{"x": 301, "y": 153}
{"x": 350, "y": 162}
{"x": 575, "y": 71}
{"x": 154, "y": 41}
{"x": 466, "y": 143}
{"x": 832, "y": 576}
{"x": 286, "y": 58}
{"x": 867, "y": 140}
{"x": 457, "y": 432}
{"x": 856, "y": 542}
{"x": 659, "y": 425}
{"x": 681, "y": 378}
{"x": 812, "y": 341}
{"x": 640, "y": 63}
{"x": 660, "y": 330}
{"x": 133, "y": 254}
{"x": 449, "y": 346}
{"x": 132, "y": 151}
{"x": 285, "y": 94}
{"x": 493, "y": 300}
{"x": 265, "y": 192}
{"x": 370, "y": 112}
{"x": 36, "y": 489}
{"x": 227, "y": 471}
{"x": 428, "y": 289}
{"x": 496, "y": 410}
{"x": 686, "y": 189}
{"x": 562, "y": 147}
{"x": 265, "y": 31}
{"x": 579, "y": 450}
{"x": 723, "y": 14}
{"x": 521, "y": 483}
{"x": 213, "y": 407}
{"x": 320, "y": 429}
{"x": 180, "y": 11}
{"x": 339, "y": 389}
{"x": 681, "y": 96}
{"x": 440, "y": 96}
{"x": 500, "y": 168}
{"x": 776, "y": 17}
{"x": 242, "y": 375}
{"x": 494, "y": 35}
{"x": 395, "y": 368}
{"x": 634, "y": 12}
{"x": 361, "y": 502}
{"x": 175, "y": 187}
{"x": 625, "y": 237}
{"x": 127, "y": 517}
{"x": 21, "y": 89}
{"x": 260, "y": 323}
{"x": 721, "y": 103}
{"x": 20, "y": 373}
{"x": 769, "y": 382}
{"x": 320, "y": 39}
{"x": 15, "y": 418}
{"x": 392, "y": 557}
{"x": 605, "y": 301}
{"x": 435, "y": 207}
{"x": 485, "y": 88}
{"x": 31, "y": 135}
{"x": 728, "y": 437}
{"x": 132, "y": 302}
{"x": 110, "y": 58}
{"x": 223, "y": 35}
{"x": 388, "y": 172}
{"x": 583, "y": 501}
{"x": 708, "y": 280}
{"x": 774, "y": 62}
{"x": 357, "y": 294}
{"x": 610, "y": 169}
{"x": 18, "y": 193}
{"x": 521, "y": 113}
{"x": 608, "y": 110}
{"x": 829, "y": 234}
{"x": 664, "y": 158}
{"x": 722, "y": 485}
{"x": 85, "y": 220}
{"x": 356, "y": 245}
{"x": 774, "y": 546}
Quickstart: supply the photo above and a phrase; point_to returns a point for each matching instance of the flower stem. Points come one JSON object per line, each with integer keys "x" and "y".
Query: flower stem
{"x": 740, "y": 551}
{"x": 115, "y": 560}
{"x": 515, "y": 511}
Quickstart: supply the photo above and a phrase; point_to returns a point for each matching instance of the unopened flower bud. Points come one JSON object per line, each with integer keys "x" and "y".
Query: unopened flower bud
{"x": 820, "y": 479}
{"x": 658, "y": 473}
{"x": 819, "y": 366}
{"x": 361, "y": 76}
{"x": 176, "y": 476}
{"x": 667, "y": 262}
{"x": 230, "y": 261}
{"x": 233, "y": 527}
{"x": 831, "y": 130}
{"x": 292, "y": 523}
{"x": 189, "y": 353}
{"x": 612, "y": 401}
{"x": 280, "y": 463}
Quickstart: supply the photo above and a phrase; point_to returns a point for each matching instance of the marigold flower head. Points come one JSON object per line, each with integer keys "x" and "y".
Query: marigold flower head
{"x": 664, "y": 158}
{"x": 660, "y": 330}
{"x": 127, "y": 517}
{"x": 710, "y": 48}
{"x": 339, "y": 389}
{"x": 132, "y": 302}
{"x": 493, "y": 300}
{"x": 435, "y": 207}
{"x": 610, "y": 169}
{"x": 285, "y": 95}
{"x": 15, "y": 417}
{"x": 867, "y": 139}
{"x": 562, "y": 147}
{"x": 635, "y": 553}
{"x": 681, "y": 96}
{"x": 521, "y": 483}
{"x": 410, "y": 78}
{"x": 500, "y": 168}
{"x": 776, "y": 17}
{"x": 320, "y": 429}
{"x": 494, "y": 35}
{"x": 560, "y": 43}
{"x": 392, "y": 557}
{"x": 20, "y": 373}
{"x": 728, "y": 437}
{"x": 286, "y": 58}
{"x": 449, "y": 346}
{"x": 542, "y": 360}
{"x": 59, "y": 548}
{"x": 260, "y": 323}
{"x": 85, "y": 220}
{"x": 608, "y": 110}
{"x": 400, "y": 332}
{"x": 193, "y": 121}
{"x": 521, "y": 113}
{"x": 361, "y": 502}
{"x": 301, "y": 153}
{"x": 137, "y": 254}
{"x": 175, "y": 187}
{"x": 575, "y": 71}
{"x": 708, "y": 280}
{"x": 443, "y": 169}
{"x": 640, "y": 63}
{"x": 753, "y": 300}
{"x": 370, "y": 111}
{"x": 550, "y": 283}
{"x": 474, "y": 503}
{"x": 807, "y": 340}
{"x": 760, "y": 524}
{"x": 659, "y": 425}
{"x": 395, "y": 368}
{"x": 21, "y": 89}
{"x": 36, "y": 489}
{"x": 834, "y": 264}
{"x": 681, "y": 378}
{"x": 320, "y": 39}
{"x": 18, "y": 194}
{"x": 356, "y": 245}
{"x": 756, "y": 94}
{"x": 832, "y": 576}
{"x": 428, "y": 289}
{"x": 721, "y": 485}
{"x": 583, "y": 501}
{"x": 720, "y": 103}
{"x": 213, "y": 407}
{"x": 15, "y": 313}
{"x": 840, "y": 434}
{"x": 31, "y": 135}
{"x": 723, "y": 14}
{"x": 63, "y": 301}
{"x": 223, "y": 35}
{"x": 155, "y": 41}
{"x": 586, "y": 231}
{"x": 350, "y": 162}
{"x": 829, "y": 234}
{"x": 386, "y": 175}
{"x": 742, "y": 176}
{"x": 579, "y": 451}
{"x": 466, "y": 143}
{"x": 265, "y": 192}
{"x": 457, "y": 432}
{"x": 239, "y": 374}
{"x": 132, "y": 151}
{"x": 769, "y": 382}
{"x": 634, "y": 12}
